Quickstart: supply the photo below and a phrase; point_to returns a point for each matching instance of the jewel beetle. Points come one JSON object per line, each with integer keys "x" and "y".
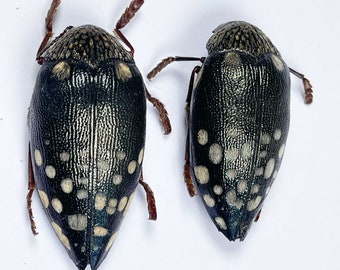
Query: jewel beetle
{"x": 87, "y": 135}
{"x": 237, "y": 124}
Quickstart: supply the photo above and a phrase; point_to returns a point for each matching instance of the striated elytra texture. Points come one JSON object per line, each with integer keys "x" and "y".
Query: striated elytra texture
{"x": 239, "y": 120}
{"x": 87, "y": 124}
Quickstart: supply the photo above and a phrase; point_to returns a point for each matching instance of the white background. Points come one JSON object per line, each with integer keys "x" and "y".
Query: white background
{"x": 299, "y": 225}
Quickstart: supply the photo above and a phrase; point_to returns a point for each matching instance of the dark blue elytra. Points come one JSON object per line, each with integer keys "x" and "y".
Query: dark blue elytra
{"x": 87, "y": 123}
{"x": 238, "y": 120}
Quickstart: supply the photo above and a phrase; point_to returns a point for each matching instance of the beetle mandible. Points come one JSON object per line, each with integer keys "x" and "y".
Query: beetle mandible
{"x": 87, "y": 134}
{"x": 237, "y": 123}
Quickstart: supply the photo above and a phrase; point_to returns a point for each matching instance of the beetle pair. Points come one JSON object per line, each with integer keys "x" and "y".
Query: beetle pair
{"x": 87, "y": 123}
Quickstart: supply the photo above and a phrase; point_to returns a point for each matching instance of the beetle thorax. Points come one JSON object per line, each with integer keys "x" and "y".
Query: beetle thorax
{"x": 86, "y": 43}
{"x": 240, "y": 36}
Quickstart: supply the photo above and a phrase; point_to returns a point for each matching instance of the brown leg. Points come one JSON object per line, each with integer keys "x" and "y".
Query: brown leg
{"x": 129, "y": 13}
{"x": 48, "y": 24}
{"x": 31, "y": 186}
{"x": 257, "y": 216}
{"x": 163, "y": 114}
{"x": 308, "y": 89}
{"x": 150, "y": 198}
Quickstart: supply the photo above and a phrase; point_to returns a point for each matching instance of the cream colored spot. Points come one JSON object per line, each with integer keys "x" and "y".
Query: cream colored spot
{"x": 121, "y": 155}
{"x": 277, "y": 134}
{"x": 209, "y": 201}
{"x": 263, "y": 154}
{"x": 232, "y": 199}
{"x": 269, "y": 168}
{"x": 129, "y": 203}
{"x": 77, "y": 222}
{"x": 265, "y": 138}
{"x": 247, "y": 150}
{"x": 61, "y": 236}
{"x": 43, "y": 198}
{"x": 64, "y": 156}
{"x": 99, "y": 231}
{"x": 201, "y": 174}
{"x": 274, "y": 174}
{"x": 67, "y": 185}
{"x": 140, "y": 156}
{"x": 218, "y": 190}
{"x": 123, "y": 72}
{"x": 231, "y": 154}
{"x": 111, "y": 241}
{"x": 132, "y": 167}
{"x": 117, "y": 179}
{"x": 62, "y": 70}
{"x": 232, "y": 59}
{"x": 254, "y": 189}
{"x": 122, "y": 203}
{"x": 57, "y": 205}
{"x": 103, "y": 166}
{"x": 231, "y": 174}
{"x": 259, "y": 171}
{"x": 82, "y": 194}
{"x": 242, "y": 186}
{"x": 50, "y": 171}
{"x": 221, "y": 223}
{"x": 202, "y": 137}
{"x": 111, "y": 208}
{"x": 267, "y": 190}
{"x": 99, "y": 201}
{"x": 215, "y": 153}
{"x": 254, "y": 203}
{"x": 281, "y": 151}
{"x": 198, "y": 77}
{"x": 84, "y": 181}
{"x": 38, "y": 157}
{"x": 278, "y": 63}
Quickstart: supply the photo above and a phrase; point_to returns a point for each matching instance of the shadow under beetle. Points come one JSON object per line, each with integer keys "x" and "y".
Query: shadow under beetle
{"x": 237, "y": 124}
{"x": 87, "y": 134}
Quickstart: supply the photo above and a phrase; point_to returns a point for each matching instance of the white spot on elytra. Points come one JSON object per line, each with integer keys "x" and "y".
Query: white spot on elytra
{"x": 43, "y": 198}
{"x": 99, "y": 231}
{"x": 281, "y": 151}
{"x": 132, "y": 167}
{"x": 231, "y": 154}
{"x": 50, "y": 171}
{"x": 254, "y": 203}
{"x": 218, "y": 190}
{"x": 140, "y": 156}
{"x": 263, "y": 154}
{"x": 103, "y": 166}
{"x": 259, "y": 171}
{"x": 269, "y": 168}
{"x": 265, "y": 138}
{"x": 111, "y": 208}
{"x": 64, "y": 156}
{"x": 232, "y": 199}
{"x": 242, "y": 186}
{"x": 82, "y": 194}
{"x": 99, "y": 201}
{"x": 77, "y": 222}
{"x": 274, "y": 174}
{"x": 254, "y": 189}
{"x": 209, "y": 201}
{"x": 128, "y": 203}
{"x": 278, "y": 63}
{"x": 123, "y": 72}
{"x": 231, "y": 174}
{"x": 61, "y": 236}
{"x": 57, "y": 205}
{"x": 111, "y": 241}
{"x": 117, "y": 179}
{"x": 122, "y": 203}
{"x": 247, "y": 150}
{"x": 202, "y": 137}
{"x": 215, "y": 153}
{"x": 121, "y": 155}
{"x": 83, "y": 181}
{"x": 67, "y": 185}
{"x": 277, "y": 134}
{"x": 221, "y": 223}
{"x": 62, "y": 70}
{"x": 38, "y": 157}
{"x": 201, "y": 174}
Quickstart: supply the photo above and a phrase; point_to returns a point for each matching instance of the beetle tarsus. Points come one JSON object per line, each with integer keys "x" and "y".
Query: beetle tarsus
{"x": 150, "y": 198}
{"x": 308, "y": 88}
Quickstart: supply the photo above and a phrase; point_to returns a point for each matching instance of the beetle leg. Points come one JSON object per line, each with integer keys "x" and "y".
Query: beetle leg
{"x": 48, "y": 24}
{"x": 308, "y": 88}
{"x": 31, "y": 186}
{"x": 257, "y": 216}
{"x": 168, "y": 61}
{"x": 163, "y": 114}
{"x": 150, "y": 198}
{"x": 187, "y": 178}
{"x": 128, "y": 14}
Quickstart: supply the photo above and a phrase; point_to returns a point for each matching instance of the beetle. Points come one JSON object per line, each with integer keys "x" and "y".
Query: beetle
{"x": 237, "y": 124}
{"x": 87, "y": 135}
